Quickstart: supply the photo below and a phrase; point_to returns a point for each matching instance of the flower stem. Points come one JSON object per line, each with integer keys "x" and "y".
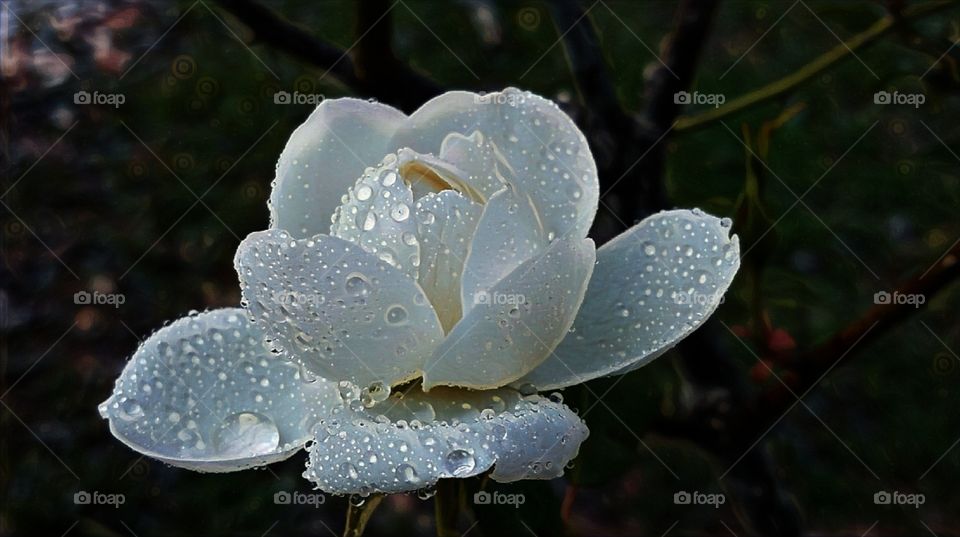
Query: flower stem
{"x": 359, "y": 515}
{"x": 446, "y": 504}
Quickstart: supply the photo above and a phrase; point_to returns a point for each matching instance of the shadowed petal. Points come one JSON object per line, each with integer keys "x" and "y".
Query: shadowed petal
{"x": 515, "y": 323}
{"x": 204, "y": 393}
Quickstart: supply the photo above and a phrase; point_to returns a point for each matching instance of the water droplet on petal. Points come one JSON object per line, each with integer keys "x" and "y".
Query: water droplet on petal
{"x": 460, "y": 463}
{"x": 246, "y": 434}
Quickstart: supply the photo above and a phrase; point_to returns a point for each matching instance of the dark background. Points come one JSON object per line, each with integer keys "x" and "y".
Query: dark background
{"x": 799, "y": 401}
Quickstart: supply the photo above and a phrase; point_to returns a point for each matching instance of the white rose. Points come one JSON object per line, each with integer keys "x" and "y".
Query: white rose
{"x": 457, "y": 266}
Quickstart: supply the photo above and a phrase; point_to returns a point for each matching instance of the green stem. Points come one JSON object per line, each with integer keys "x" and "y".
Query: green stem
{"x": 359, "y": 515}
{"x": 814, "y": 68}
{"x": 446, "y": 504}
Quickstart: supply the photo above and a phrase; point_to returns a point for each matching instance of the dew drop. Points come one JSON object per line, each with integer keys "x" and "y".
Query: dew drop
{"x": 396, "y": 314}
{"x": 460, "y": 463}
{"x": 246, "y": 434}
{"x": 364, "y": 193}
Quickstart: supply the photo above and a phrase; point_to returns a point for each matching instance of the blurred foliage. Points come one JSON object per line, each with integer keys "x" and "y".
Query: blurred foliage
{"x": 113, "y": 206}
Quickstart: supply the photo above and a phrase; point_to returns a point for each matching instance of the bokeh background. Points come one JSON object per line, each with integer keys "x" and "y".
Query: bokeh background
{"x": 799, "y": 401}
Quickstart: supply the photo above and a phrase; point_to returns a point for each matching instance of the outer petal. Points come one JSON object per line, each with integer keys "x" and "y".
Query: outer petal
{"x": 410, "y": 442}
{"x": 653, "y": 285}
{"x": 508, "y": 234}
{"x": 205, "y": 394}
{"x": 517, "y": 323}
{"x": 445, "y": 222}
{"x": 377, "y": 215}
{"x": 336, "y": 309}
{"x": 548, "y": 155}
{"x": 324, "y": 157}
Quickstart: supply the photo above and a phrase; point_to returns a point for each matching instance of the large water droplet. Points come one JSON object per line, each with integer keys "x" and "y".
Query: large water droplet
{"x": 400, "y": 212}
{"x": 396, "y": 314}
{"x": 130, "y": 410}
{"x": 460, "y": 463}
{"x": 364, "y": 193}
{"x": 357, "y": 284}
{"x": 370, "y": 221}
{"x": 407, "y": 474}
{"x": 246, "y": 434}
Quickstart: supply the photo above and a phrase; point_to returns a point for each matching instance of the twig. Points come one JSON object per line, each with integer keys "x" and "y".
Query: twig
{"x": 359, "y": 514}
{"x": 407, "y": 89}
{"x": 815, "y": 67}
{"x": 637, "y": 189}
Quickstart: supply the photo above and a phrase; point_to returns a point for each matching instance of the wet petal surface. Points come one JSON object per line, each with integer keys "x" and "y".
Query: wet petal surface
{"x": 204, "y": 393}
{"x": 409, "y": 442}
{"x": 377, "y": 215}
{"x": 336, "y": 309}
{"x": 653, "y": 285}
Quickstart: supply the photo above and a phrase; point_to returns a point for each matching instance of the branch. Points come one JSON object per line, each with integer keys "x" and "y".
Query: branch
{"x": 876, "y": 322}
{"x": 633, "y": 186}
{"x": 814, "y": 68}
{"x": 407, "y": 89}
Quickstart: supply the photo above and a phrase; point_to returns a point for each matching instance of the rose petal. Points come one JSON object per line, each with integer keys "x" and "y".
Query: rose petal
{"x": 204, "y": 393}
{"x": 508, "y": 234}
{"x": 410, "y": 442}
{"x": 336, "y": 309}
{"x": 445, "y": 224}
{"x": 547, "y": 154}
{"x": 517, "y": 322}
{"x": 324, "y": 157}
{"x": 377, "y": 216}
{"x": 653, "y": 285}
